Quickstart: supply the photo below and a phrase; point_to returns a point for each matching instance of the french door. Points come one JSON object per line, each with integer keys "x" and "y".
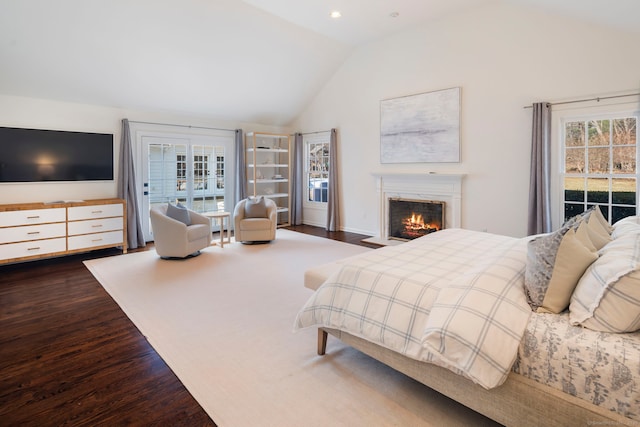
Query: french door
{"x": 196, "y": 171}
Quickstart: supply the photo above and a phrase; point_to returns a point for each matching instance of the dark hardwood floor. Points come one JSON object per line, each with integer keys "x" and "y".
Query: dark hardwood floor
{"x": 70, "y": 356}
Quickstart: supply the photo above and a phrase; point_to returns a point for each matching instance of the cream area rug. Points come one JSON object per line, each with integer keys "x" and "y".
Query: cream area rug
{"x": 223, "y": 322}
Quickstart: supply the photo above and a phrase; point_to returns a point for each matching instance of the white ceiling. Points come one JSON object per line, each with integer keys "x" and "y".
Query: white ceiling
{"x": 362, "y": 20}
{"x": 259, "y": 61}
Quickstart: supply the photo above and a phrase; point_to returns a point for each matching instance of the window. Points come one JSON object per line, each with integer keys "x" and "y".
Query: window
{"x": 220, "y": 172}
{"x": 181, "y": 172}
{"x": 317, "y": 169}
{"x": 600, "y": 166}
{"x": 201, "y": 172}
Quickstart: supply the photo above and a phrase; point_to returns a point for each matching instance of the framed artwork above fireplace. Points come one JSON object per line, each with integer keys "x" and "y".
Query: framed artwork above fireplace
{"x": 422, "y": 128}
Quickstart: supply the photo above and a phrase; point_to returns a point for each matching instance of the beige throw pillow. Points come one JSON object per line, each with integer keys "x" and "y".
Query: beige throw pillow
{"x": 541, "y": 257}
{"x": 602, "y": 220}
{"x": 575, "y": 254}
{"x": 598, "y": 234}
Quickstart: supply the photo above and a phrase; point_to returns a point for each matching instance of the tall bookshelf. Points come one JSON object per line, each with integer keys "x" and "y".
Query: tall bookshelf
{"x": 268, "y": 161}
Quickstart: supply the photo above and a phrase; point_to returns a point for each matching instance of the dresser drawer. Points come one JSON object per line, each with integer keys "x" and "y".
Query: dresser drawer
{"x": 94, "y": 211}
{"x": 86, "y": 241}
{"x": 32, "y": 232}
{"x": 32, "y": 249}
{"x": 95, "y": 226}
{"x": 32, "y": 216}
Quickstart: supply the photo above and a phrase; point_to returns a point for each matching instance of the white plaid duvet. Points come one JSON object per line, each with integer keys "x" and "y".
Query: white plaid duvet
{"x": 454, "y": 298}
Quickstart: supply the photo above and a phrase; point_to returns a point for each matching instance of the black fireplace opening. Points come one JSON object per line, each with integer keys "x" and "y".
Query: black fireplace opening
{"x": 410, "y": 219}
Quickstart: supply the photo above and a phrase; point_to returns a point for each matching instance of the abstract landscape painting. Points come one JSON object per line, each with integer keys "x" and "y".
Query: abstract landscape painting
{"x": 422, "y": 128}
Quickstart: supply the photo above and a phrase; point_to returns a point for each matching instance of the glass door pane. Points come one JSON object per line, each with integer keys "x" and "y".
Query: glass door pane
{"x": 167, "y": 179}
{"x": 193, "y": 171}
{"x": 208, "y": 178}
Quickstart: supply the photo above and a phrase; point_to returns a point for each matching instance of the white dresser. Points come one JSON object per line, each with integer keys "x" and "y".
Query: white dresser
{"x": 39, "y": 230}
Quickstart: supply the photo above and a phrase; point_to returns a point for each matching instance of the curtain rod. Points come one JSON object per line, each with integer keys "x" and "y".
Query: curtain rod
{"x": 598, "y": 99}
{"x": 319, "y": 131}
{"x": 182, "y": 126}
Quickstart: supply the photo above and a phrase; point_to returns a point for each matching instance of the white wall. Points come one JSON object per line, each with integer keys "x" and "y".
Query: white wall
{"x": 503, "y": 57}
{"x": 46, "y": 114}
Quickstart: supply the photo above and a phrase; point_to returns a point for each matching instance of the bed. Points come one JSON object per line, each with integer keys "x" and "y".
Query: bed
{"x": 531, "y": 331}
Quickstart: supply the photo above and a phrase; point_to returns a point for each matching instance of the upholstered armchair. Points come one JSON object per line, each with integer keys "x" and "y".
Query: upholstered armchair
{"x": 179, "y": 233}
{"x": 255, "y": 220}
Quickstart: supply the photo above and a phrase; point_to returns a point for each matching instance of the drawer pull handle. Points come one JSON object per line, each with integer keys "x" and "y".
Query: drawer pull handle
{"x": 37, "y": 248}
{"x": 33, "y": 232}
{"x": 33, "y": 217}
{"x": 96, "y": 240}
{"x": 96, "y": 212}
{"x": 96, "y": 226}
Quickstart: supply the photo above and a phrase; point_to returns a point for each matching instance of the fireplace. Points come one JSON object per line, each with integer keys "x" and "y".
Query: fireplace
{"x": 410, "y": 219}
{"x": 442, "y": 187}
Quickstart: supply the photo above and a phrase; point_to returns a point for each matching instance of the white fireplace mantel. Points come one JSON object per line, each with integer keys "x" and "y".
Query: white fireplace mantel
{"x": 419, "y": 186}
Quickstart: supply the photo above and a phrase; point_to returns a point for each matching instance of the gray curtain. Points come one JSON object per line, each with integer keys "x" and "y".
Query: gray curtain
{"x": 127, "y": 189}
{"x": 539, "y": 198}
{"x": 333, "y": 206}
{"x": 241, "y": 180}
{"x": 297, "y": 175}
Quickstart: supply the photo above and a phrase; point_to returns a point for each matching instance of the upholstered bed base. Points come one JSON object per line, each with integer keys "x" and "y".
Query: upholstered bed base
{"x": 518, "y": 402}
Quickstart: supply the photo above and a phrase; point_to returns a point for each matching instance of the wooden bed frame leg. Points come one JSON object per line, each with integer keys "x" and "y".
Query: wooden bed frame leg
{"x": 322, "y": 341}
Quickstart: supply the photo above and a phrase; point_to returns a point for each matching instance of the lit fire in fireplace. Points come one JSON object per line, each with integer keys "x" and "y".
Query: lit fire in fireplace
{"x": 414, "y": 226}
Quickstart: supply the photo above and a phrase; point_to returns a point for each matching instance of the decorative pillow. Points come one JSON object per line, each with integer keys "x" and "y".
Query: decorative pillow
{"x": 541, "y": 256}
{"x": 628, "y": 225}
{"x": 555, "y": 263}
{"x": 179, "y": 212}
{"x": 607, "y": 297}
{"x": 255, "y": 207}
{"x": 601, "y": 219}
{"x": 598, "y": 233}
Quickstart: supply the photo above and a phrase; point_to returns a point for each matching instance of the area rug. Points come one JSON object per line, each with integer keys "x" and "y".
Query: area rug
{"x": 223, "y": 322}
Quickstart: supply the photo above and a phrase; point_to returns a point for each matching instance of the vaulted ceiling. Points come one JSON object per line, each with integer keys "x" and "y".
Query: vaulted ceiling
{"x": 259, "y": 61}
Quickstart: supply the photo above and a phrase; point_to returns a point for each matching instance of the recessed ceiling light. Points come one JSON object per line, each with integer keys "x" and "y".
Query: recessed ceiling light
{"x": 335, "y": 14}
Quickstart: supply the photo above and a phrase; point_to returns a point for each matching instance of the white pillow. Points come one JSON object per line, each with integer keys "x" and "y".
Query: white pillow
{"x": 607, "y": 297}
{"x": 630, "y": 224}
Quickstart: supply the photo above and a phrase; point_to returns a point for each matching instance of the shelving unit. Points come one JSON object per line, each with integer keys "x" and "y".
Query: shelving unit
{"x": 268, "y": 170}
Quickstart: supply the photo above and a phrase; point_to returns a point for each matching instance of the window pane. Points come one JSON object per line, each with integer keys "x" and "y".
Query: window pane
{"x": 599, "y": 132}
{"x": 317, "y": 172}
{"x": 574, "y": 160}
{"x": 598, "y": 190}
{"x": 574, "y": 134}
{"x": 598, "y": 160}
{"x": 318, "y": 187}
{"x": 623, "y": 191}
{"x": 619, "y": 212}
{"x": 574, "y": 189}
{"x": 624, "y": 159}
{"x": 624, "y": 131}
{"x": 572, "y": 209}
{"x": 610, "y": 156}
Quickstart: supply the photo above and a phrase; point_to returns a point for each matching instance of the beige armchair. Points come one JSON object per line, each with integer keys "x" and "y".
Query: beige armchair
{"x": 174, "y": 238}
{"x": 255, "y": 224}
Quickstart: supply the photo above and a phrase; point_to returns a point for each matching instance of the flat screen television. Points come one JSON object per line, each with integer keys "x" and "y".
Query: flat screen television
{"x": 36, "y": 155}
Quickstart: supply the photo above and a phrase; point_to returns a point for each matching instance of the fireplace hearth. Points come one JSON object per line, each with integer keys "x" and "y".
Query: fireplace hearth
{"x": 410, "y": 219}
